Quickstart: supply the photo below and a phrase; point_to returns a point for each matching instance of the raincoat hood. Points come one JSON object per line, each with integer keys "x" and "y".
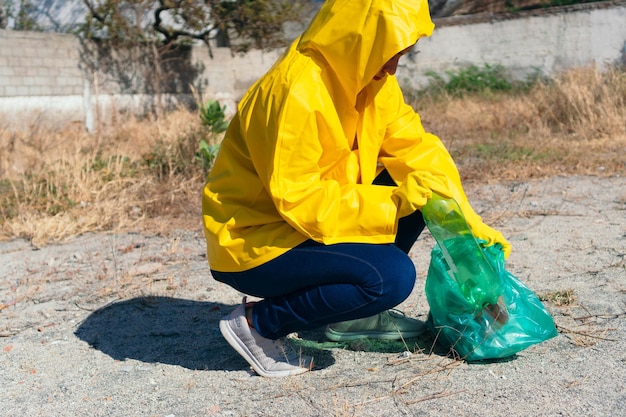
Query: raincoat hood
{"x": 355, "y": 38}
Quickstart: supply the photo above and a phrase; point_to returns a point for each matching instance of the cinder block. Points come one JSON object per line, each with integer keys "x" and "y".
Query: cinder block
{"x": 30, "y": 51}
{"x": 68, "y": 81}
{"x": 41, "y": 81}
{"x": 10, "y": 91}
{"x": 6, "y": 72}
{"x": 38, "y": 90}
{"x": 21, "y": 90}
{"x": 31, "y": 71}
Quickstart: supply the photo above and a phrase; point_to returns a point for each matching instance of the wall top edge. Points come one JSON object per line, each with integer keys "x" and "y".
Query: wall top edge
{"x": 27, "y": 34}
{"x": 550, "y": 11}
{"x": 439, "y": 22}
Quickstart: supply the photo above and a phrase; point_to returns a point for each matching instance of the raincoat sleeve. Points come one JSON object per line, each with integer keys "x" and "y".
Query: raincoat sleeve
{"x": 311, "y": 177}
{"x": 420, "y": 164}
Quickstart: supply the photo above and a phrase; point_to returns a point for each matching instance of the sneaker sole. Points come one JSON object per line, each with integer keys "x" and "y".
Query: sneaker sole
{"x": 347, "y": 337}
{"x": 243, "y": 350}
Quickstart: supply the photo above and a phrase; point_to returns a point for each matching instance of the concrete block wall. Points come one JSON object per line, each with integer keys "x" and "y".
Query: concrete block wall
{"x": 39, "y": 64}
{"x": 41, "y": 77}
{"x": 226, "y": 77}
{"x": 546, "y": 41}
{"x": 40, "y": 72}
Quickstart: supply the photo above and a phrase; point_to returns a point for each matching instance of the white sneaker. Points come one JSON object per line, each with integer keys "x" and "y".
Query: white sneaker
{"x": 270, "y": 358}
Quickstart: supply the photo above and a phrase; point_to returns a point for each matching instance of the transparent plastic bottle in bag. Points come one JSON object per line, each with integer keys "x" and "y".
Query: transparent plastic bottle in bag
{"x": 477, "y": 279}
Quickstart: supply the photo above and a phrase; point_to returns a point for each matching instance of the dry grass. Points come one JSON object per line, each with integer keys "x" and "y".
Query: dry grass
{"x": 575, "y": 124}
{"x": 142, "y": 174}
{"x": 560, "y": 298}
{"x": 135, "y": 174}
{"x": 574, "y": 320}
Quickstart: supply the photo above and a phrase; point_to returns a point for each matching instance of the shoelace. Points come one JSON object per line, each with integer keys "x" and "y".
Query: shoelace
{"x": 396, "y": 312}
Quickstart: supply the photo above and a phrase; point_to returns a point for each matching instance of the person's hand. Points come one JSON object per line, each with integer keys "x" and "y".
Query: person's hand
{"x": 490, "y": 236}
{"x": 482, "y": 232}
{"x": 498, "y": 312}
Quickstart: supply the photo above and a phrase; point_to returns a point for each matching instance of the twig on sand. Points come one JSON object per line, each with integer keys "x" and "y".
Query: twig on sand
{"x": 83, "y": 308}
{"x": 601, "y": 316}
{"x": 585, "y": 333}
{"x": 402, "y": 389}
{"x": 447, "y": 367}
{"x": 434, "y": 396}
{"x": 410, "y": 402}
{"x": 14, "y": 331}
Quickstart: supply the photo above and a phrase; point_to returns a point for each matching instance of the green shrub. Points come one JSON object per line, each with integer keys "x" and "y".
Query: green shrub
{"x": 471, "y": 79}
{"x": 213, "y": 117}
{"x": 207, "y": 154}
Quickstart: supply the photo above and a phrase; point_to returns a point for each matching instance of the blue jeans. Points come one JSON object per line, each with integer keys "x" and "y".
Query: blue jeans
{"x": 313, "y": 285}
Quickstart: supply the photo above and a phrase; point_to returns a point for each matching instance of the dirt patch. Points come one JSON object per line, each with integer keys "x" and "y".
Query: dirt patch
{"x": 127, "y": 324}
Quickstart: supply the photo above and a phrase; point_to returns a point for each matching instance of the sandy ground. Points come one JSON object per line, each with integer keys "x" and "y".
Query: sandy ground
{"x": 127, "y": 325}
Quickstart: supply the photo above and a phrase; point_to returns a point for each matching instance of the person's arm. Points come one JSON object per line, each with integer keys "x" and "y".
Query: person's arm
{"x": 419, "y": 161}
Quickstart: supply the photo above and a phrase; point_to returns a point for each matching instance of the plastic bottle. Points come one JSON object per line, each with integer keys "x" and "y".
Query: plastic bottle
{"x": 477, "y": 279}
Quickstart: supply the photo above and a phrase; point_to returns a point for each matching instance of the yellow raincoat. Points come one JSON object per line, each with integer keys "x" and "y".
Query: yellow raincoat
{"x": 299, "y": 157}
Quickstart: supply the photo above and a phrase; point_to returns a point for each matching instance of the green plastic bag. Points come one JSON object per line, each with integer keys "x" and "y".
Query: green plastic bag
{"x": 474, "y": 333}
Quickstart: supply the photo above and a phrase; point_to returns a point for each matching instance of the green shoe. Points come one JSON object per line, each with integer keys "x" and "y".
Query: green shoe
{"x": 390, "y": 325}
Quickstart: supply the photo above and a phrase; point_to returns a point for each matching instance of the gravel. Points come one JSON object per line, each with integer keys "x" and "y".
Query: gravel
{"x": 127, "y": 325}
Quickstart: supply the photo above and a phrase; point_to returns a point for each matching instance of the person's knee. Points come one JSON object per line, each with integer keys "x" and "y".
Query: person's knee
{"x": 400, "y": 281}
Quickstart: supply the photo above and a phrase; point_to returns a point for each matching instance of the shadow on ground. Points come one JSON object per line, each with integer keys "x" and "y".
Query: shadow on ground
{"x": 168, "y": 330}
{"x": 186, "y": 333}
